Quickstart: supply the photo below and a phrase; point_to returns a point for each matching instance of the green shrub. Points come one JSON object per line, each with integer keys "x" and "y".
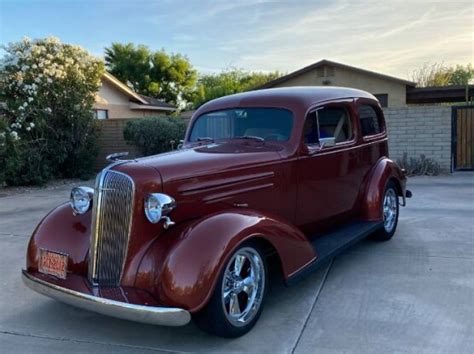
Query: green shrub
{"x": 26, "y": 165}
{"x": 48, "y": 89}
{"x": 3, "y": 148}
{"x": 419, "y": 166}
{"x": 21, "y": 160}
{"x": 154, "y": 135}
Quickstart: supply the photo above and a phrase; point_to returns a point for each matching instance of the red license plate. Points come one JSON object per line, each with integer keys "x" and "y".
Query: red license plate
{"x": 53, "y": 263}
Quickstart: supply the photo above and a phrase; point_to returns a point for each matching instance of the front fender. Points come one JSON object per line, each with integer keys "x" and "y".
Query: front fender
{"x": 375, "y": 184}
{"x": 183, "y": 266}
{"x": 62, "y": 232}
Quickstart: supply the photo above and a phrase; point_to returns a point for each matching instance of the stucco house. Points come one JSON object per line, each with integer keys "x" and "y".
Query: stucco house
{"x": 389, "y": 90}
{"x": 115, "y": 100}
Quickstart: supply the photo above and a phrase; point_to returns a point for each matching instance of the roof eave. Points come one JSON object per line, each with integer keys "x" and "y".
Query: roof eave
{"x": 122, "y": 87}
{"x": 136, "y": 106}
{"x": 305, "y": 69}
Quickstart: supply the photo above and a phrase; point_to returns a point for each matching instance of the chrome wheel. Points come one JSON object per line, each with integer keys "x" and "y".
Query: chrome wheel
{"x": 390, "y": 210}
{"x": 243, "y": 286}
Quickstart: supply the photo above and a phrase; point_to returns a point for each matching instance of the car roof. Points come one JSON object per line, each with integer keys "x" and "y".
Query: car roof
{"x": 305, "y": 97}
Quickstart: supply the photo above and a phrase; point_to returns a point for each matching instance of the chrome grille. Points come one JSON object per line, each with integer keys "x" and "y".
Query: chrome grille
{"x": 111, "y": 223}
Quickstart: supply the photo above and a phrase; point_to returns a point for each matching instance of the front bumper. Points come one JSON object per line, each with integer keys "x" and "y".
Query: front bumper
{"x": 167, "y": 316}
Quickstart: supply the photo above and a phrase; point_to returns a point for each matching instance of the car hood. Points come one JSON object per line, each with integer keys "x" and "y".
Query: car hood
{"x": 209, "y": 159}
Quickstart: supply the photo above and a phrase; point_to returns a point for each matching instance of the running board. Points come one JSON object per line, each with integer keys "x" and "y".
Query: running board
{"x": 333, "y": 243}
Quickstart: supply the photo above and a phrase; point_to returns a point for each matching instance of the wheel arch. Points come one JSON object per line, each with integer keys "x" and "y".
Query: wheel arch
{"x": 271, "y": 254}
{"x": 376, "y": 181}
{"x": 398, "y": 186}
{"x": 187, "y": 274}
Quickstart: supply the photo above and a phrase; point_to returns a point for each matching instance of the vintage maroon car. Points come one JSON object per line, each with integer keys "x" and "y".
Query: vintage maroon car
{"x": 277, "y": 180}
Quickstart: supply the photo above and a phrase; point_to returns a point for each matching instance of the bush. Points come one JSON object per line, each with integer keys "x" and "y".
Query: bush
{"x": 49, "y": 90}
{"x": 154, "y": 135}
{"x": 419, "y": 167}
{"x": 3, "y": 147}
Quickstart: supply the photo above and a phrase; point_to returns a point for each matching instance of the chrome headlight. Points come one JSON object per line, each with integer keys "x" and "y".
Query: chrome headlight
{"x": 81, "y": 199}
{"x": 158, "y": 205}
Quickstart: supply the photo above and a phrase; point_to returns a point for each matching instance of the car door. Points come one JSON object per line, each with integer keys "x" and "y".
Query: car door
{"x": 328, "y": 181}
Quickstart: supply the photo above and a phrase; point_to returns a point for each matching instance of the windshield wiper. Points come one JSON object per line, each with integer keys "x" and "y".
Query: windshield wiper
{"x": 250, "y": 137}
{"x": 205, "y": 138}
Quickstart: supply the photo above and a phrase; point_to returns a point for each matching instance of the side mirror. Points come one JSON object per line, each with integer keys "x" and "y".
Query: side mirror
{"x": 327, "y": 142}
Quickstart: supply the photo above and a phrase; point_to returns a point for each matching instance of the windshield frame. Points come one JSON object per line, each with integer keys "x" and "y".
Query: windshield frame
{"x": 240, "y": 138}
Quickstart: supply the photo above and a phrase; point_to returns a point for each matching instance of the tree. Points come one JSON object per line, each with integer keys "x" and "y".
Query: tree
{"x": 462, "y": 75}
{"x": 130, "y": 64}
{"x": 229, "y": 82}
{"x": 440, "y": 75}
{"x": 170, "y": 77}
{"x": 48, "y": 89}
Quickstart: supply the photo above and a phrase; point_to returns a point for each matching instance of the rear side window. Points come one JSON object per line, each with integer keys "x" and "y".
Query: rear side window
{"x": 334, "y": 122}
{"x": 382, "y": 98}
{"x": 328, "y": 122}
{"x": 369, "y": 120}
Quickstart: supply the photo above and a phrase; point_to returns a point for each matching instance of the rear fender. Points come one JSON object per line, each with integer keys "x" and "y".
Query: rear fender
{"x": 183, "y": 266}
{"x": 384, "y": 171}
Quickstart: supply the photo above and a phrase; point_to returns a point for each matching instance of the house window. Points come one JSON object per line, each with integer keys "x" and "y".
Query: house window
{"x": 369, "y": 120}
{"x": 325, "y": 71}
{"x": 329, "y": 70}
{"x": 383, "y": 99}
{"x": 101, "y": 114}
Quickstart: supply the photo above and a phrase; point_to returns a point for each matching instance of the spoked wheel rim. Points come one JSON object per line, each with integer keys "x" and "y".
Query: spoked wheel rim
{"x": 243, "y": 286}
{"x": 390, "y": 210}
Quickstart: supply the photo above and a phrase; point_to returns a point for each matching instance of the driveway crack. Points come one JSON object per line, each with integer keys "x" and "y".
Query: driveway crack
{"x": 63, "y": 339}
{"x": 13, "y": 235}
{"x": 318, "y": 292}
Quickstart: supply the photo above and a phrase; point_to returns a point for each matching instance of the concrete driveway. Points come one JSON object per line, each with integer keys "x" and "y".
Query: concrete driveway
{"x": 412, "y": 294}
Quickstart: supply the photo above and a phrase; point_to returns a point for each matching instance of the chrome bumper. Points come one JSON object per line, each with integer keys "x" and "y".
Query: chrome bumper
{"x": 166, "y": 316}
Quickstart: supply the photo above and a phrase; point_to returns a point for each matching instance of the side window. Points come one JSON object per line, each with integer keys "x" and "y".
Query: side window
{"x": 369, "y": 120}
{"x": 334, "y": 122}
{"x": 310, "y": 129}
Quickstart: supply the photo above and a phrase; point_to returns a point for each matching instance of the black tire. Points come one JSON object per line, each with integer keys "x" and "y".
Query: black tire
{"x": 387, "y": 231}
{"x": 213, "y": 318}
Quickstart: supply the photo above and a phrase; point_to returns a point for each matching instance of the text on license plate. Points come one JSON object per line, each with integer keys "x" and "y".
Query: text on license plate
{"x": 53, "y": 263}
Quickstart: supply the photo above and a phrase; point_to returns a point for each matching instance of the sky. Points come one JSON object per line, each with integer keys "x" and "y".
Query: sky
{"x": 391, "y": 37}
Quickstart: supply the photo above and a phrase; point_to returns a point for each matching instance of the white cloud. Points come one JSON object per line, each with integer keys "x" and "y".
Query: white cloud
{"x": 392, "y": 37}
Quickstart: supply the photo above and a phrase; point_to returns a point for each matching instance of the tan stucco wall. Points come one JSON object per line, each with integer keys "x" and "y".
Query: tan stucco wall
{"x": 342, "y": 77}
{"x": 117, "y": 103}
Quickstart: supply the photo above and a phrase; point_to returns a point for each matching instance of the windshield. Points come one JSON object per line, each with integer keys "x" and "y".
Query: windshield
{"x": 263, "y": 124}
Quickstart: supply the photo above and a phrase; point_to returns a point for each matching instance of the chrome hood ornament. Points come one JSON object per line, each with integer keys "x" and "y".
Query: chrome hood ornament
{"x": 116, "y": 156}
